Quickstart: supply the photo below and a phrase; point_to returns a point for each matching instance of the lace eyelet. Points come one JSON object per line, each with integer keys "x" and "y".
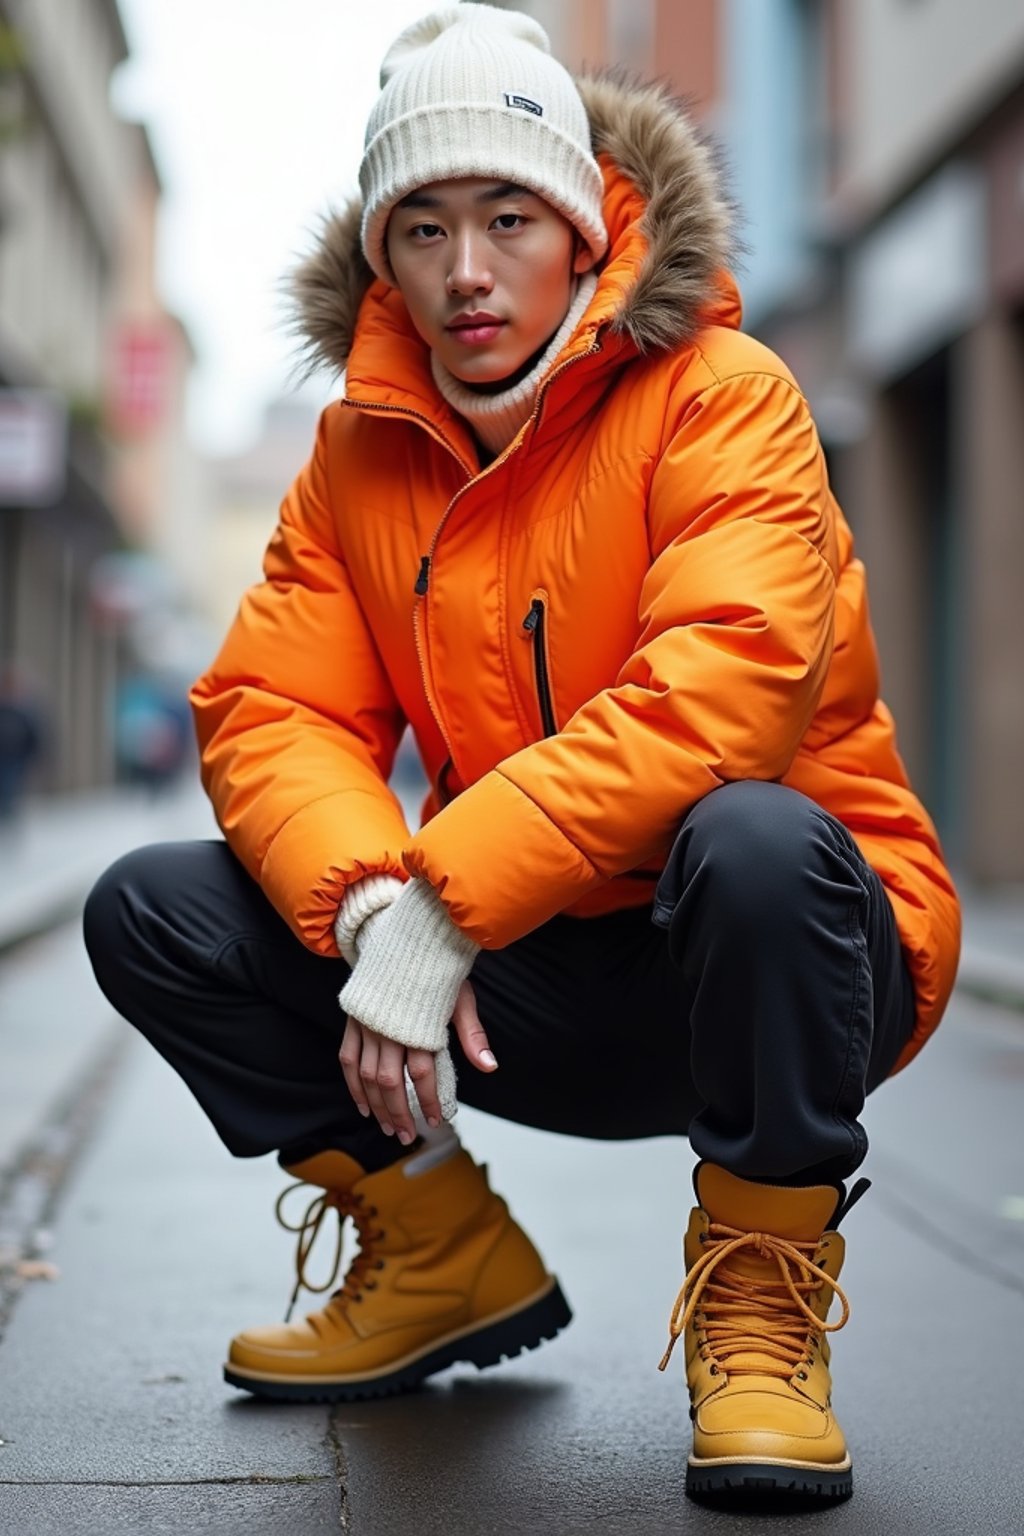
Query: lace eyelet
{"x": 379, "y": 1264}
{"x": 702, "y": 1237}
{"x": 713, "y": 1371}
{"x": 801, "y": 1375}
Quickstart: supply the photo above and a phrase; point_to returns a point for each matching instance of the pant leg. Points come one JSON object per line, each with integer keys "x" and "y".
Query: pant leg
{"x": 757, "y": 1024}
{"x": 188, "y": 949}
{"x": 588, "y": 1019}
{"x": 801, "y": 999}
{"x": 186, "y": 946}
{"x": 757, "y": 1036}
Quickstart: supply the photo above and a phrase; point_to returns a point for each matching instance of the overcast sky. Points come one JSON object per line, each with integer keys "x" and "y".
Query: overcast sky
{"x": 256, "y": 110}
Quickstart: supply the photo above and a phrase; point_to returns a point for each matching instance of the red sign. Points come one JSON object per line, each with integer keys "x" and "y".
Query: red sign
{"x": 140, "y": 384}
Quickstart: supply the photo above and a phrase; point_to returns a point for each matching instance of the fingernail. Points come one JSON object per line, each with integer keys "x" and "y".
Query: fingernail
{"x": 405, "y": 1138}
{"x": 388, "y": 1130}
{"x": 433, "y": 1122}
{"x": 363, "y": 1111}
{"x": 488, "y": 1058}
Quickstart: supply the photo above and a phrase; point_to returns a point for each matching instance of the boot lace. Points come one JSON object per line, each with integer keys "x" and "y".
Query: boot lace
{"x": 742, "y": 1313}
{"x": 348, "y": 1206}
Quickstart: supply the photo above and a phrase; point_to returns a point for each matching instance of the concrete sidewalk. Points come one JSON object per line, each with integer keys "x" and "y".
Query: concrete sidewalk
{"x": 54, "y": 853}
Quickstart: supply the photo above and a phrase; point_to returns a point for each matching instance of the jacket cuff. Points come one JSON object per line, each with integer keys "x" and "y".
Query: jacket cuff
{"x": 409, "y": 970}
{"x": 362, "y": 899}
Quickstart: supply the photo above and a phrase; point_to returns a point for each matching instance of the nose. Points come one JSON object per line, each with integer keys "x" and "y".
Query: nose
{"x": 470, "y": 270}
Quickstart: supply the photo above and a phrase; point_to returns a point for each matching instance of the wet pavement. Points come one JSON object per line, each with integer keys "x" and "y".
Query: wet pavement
{"x": 114, "y": 1417}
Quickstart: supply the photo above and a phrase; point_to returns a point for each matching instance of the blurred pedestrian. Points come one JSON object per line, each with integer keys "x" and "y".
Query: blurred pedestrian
{"x": 150, "y": 734}
{"x": 21, "y": 738}
{"x": 576, "y": 529}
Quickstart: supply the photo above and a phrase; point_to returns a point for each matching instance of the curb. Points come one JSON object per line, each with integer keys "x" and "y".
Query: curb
{"x": 990, "y": 977}
{"x": 44, "y": 905}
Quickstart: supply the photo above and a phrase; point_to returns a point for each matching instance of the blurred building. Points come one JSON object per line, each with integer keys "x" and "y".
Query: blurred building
{"x": 877, "y": 153}
{"x": 93, "y": 460}
{"x": 248, "y": 490}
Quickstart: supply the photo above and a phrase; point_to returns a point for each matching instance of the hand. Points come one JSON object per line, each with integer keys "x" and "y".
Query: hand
{"x": 375, "y": 1067}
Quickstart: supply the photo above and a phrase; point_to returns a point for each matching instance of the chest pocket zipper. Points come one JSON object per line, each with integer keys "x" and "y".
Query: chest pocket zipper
{"x": 535, "y": 625}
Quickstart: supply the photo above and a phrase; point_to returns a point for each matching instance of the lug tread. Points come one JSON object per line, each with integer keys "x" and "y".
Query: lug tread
{"x": 738, "y": 1482}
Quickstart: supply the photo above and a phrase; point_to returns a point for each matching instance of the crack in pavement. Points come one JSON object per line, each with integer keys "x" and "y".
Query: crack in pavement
{"x": 337, "y": 1449}
{"x": 31, "y": 1188}
{"x": 255, "y": 1481}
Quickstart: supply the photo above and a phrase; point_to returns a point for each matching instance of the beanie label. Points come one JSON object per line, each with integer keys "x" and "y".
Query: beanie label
{"x": 524, "y": 103}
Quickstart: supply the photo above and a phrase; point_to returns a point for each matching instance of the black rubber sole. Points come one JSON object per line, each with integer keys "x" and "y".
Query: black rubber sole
{"x": 487, "y": 1346}
{"x": 754, "y": 1482}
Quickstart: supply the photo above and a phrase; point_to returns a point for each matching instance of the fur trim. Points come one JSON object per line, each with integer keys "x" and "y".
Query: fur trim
{"x": 647, "y": 132}
{"x": 325, "y": 291}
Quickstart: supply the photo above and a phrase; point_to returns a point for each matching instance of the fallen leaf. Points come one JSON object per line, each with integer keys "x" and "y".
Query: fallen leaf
{"x": 36, "y": 1269}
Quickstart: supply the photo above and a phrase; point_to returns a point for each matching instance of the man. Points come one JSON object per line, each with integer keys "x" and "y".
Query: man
{"x": 575, "y": 528}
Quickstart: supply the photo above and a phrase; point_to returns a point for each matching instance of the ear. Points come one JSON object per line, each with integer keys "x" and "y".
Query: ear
{"x": 583, "y": 258}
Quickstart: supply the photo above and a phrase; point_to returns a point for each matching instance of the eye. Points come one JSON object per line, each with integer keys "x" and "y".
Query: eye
{"x": 510, "y": 221}
{"x": 425, "y": 231}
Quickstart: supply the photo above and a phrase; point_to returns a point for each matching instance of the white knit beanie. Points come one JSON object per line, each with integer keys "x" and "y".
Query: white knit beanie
{"x": 471, "y": 90}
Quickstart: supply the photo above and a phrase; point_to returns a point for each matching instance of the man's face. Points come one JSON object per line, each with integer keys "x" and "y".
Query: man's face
{"x": 486, "y": 270}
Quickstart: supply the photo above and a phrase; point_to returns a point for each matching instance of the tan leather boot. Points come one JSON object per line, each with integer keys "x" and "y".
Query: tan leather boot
{"x": 762, "y": 1266}
{"x": 443, "y": 1274}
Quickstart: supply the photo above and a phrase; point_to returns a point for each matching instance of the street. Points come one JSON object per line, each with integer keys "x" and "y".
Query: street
{"x": 113, "y": 1416}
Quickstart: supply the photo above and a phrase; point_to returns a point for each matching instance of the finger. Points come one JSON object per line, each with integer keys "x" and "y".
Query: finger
{"x": 471, "y": 1033}
{"x": 421, "y": 1068}
{"x": 368, "y": 1078}
{"x": 391, "y": 1083}
{"x": 350, "y": 1055}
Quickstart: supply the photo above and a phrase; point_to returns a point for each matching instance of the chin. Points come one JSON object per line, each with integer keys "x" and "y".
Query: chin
{"x": 483, "y": 370}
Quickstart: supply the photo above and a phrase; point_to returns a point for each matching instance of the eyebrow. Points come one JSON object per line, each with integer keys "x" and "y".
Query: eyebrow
{"x": 489, "y": 195}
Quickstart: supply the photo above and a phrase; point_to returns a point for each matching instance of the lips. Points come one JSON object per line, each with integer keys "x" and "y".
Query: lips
{"x": 475, "y": 329}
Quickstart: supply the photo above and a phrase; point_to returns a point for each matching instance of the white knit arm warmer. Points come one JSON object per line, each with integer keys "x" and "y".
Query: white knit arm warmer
{"x": 411, "y": 962}
{"x": 363, "y": 899}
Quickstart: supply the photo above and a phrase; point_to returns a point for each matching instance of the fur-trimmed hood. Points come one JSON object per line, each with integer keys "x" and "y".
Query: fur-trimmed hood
{"x": 687, "y": 225}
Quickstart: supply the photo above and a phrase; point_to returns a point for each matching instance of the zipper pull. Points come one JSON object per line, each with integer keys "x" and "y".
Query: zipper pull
{"x": 533, "y": 617}
{"x": 421, "y": 580}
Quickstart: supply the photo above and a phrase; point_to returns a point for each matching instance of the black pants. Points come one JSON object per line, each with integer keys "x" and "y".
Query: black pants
{"x": 753, "y": 1014}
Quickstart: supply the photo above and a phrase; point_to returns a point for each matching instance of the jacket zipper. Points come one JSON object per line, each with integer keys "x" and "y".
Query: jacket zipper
{"x": 535, "y": 625}
{"x": 426, "y": 561}
{"x": 422, "y": 579}
{"x": 422, "y": 584}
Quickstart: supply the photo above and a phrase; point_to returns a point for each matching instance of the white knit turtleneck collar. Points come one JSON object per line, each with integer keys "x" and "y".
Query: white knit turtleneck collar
{"x": 496, "y": 419}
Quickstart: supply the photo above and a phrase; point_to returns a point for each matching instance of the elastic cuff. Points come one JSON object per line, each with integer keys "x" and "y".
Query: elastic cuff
{"x": 362, "y": 899}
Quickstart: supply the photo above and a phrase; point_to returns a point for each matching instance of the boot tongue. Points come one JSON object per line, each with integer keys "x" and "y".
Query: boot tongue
{"x": 328, "y": 1170}
{"x": 795, "y": 1214}
{"x": 798, "y": 1214}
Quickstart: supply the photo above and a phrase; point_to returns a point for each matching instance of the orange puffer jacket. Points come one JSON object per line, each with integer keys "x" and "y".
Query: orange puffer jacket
{"x": 650, "y": 593}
